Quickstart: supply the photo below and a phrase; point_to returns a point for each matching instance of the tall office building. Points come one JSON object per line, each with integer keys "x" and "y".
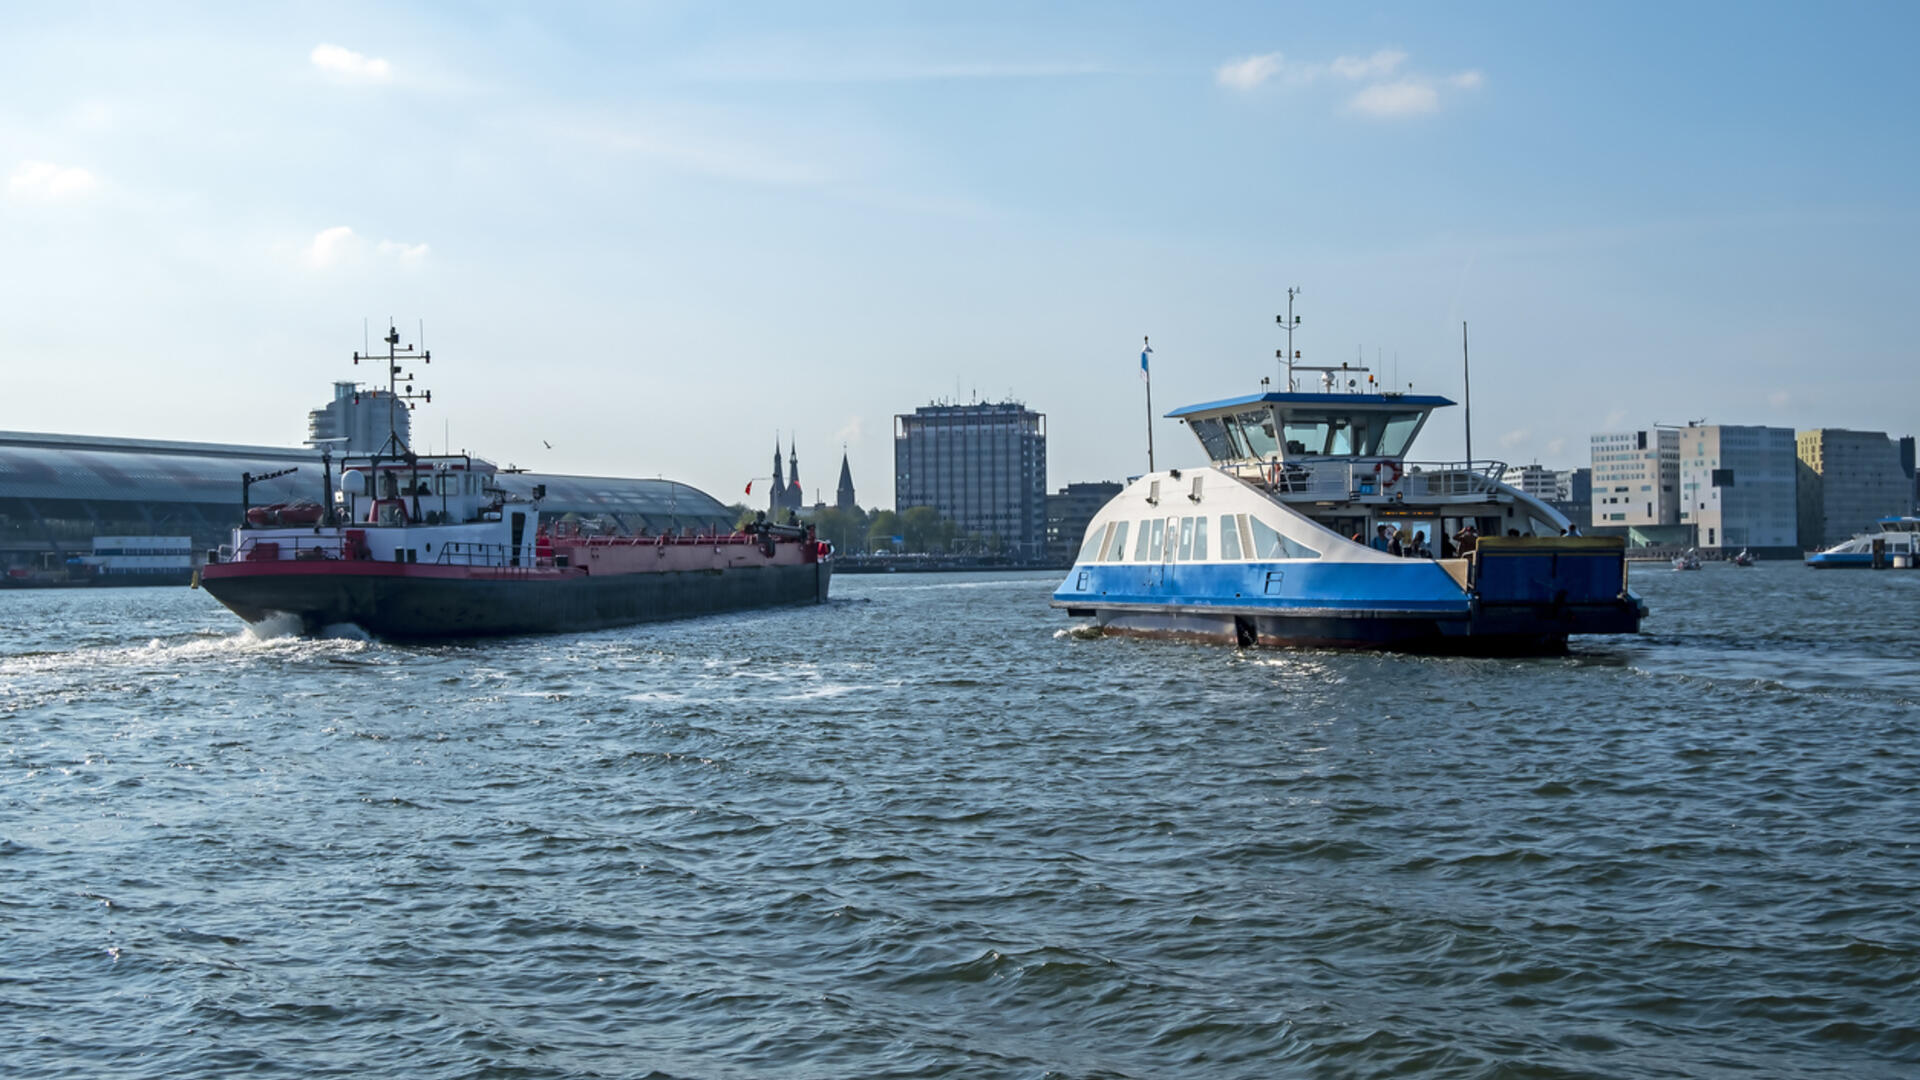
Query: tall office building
{"x": 982, "y": 466}
{"x": 1848, "y": 481}
{"x": 1636, "y": 479}
{"x": 1737, "y": 487}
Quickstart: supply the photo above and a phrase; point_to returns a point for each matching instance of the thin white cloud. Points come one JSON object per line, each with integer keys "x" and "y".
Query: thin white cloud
{"x": 339, "y": 245}
{"x": 849, "y": 432}
{"x": 1408, "y": 97}
{"x": 404, "y": 254}
{"x": 349, "y": 66}
{"x": 1554, "y": 446}
{"x": 1615, "y": 418}
{"x": 685, "y": 146}
{"x": 43, "y": 181}
{"x": 1249, "y": 72}
{"x": 1516, "y": 437}
{"x": 1779, "y": 399}
{"x": 333, "y": 246}
{"x": 1393, "y": 92}
{"x": 1378, "y": 66}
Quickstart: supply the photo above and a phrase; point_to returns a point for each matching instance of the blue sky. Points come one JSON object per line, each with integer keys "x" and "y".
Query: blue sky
{"x": 653, "y": 235}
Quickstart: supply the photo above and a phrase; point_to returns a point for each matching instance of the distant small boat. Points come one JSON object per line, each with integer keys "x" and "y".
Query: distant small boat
{"x": 1745, "y": 558}
{"x": 1687, "y": 560}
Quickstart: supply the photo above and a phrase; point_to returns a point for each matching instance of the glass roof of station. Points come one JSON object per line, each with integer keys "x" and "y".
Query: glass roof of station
{"x": 40, "y": 466}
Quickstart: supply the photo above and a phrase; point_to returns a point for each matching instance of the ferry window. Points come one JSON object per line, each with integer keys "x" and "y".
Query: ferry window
{"x": 1256, "y": 426}
{"x": 1341, "y": 440}
{"x": 1153, "y": 545}
{"x": 1396, "y": 433}
{"x": 1186, "y": 538}
{"x": 1116, "y": 544}
{"x": 1306, "y": 435}
{"x": 1229, "y": 538}
{"x": 1200, "y": 539}
{"x": 1140, "y": 545}
{"x": 1234, "y": 436}
{"x": 1246, "y": 537}
{"x": 1090, "y": 550}
{"x": 1269, "y": 544}
{"x": 1213, "y": 437}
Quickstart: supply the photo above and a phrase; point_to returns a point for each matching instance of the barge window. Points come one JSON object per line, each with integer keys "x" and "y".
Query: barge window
{"x": 1116, "y": 544}
{"x": 1229, "y": 538}
{"x": 1256, "y": 426}
{"x": 1269, "y": 544}
{"x": 1090, "y": 550}
{"x": 1186, "y": 539}
{"x": 1140, "y": 545}
{"x": 1200, "y": 539}
{"x": 1213, "y": 436}
{"x": 1153, "y": 546}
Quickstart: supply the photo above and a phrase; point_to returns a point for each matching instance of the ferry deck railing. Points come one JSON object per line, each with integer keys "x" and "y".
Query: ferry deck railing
{"x": 1371, "y": 478}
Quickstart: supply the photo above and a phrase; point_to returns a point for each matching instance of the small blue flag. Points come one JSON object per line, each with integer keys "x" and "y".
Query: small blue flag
{"x": 1145, "y": 351}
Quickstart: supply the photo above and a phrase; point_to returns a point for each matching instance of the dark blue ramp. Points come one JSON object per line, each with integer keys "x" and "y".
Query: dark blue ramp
{"x": 1550, "y": 569}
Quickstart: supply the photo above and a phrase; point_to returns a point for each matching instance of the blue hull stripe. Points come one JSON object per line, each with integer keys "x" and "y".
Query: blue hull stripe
{"x": 1415, "y": 586}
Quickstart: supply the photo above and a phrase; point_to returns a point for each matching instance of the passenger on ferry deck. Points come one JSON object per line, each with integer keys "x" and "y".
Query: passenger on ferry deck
{"x": 1468, "y": 537}
{"x": 1380, "y": 541}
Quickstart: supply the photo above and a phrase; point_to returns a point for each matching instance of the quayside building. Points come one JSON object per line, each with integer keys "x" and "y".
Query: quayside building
{"x": 59, "y": 492}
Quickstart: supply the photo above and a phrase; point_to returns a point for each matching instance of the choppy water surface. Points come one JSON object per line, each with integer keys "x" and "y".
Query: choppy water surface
{"x": 928, "y": 831}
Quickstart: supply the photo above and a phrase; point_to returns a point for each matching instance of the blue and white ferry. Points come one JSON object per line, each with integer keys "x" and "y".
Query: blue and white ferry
{"x": 1269, "y": 543}
{"x": 1898, "y": 539}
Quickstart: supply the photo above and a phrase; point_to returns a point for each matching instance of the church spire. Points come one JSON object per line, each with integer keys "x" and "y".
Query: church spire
{"x": 778, "y": 494}
{"x": 844, "y": 497}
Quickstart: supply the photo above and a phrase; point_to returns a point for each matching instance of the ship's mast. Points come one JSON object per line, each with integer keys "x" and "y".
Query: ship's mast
{"x": 400, "y": 392}
{"x": 1289, "y": 320}
{"x": 396, "y": 396}
{"x": 1330, "y": 377}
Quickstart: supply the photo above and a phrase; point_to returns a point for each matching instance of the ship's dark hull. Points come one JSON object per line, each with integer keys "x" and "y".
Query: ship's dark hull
{"x": 402, "y": 603}
{"x": 1510, "y": 631}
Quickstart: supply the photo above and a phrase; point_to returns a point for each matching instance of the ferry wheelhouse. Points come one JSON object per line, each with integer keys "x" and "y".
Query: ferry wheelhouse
{"x": 1278, "y": 539}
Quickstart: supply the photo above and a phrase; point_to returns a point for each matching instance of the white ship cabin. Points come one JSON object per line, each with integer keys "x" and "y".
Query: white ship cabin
{"x": 438, "y": 491}
{"x": 443, "y": 510}
{"x": 1341, "y": 459}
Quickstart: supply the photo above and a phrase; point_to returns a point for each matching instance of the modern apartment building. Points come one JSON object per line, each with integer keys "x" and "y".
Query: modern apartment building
{"x": 1573, "y": 494}
{"x": 1737, "y": 488}
{"x": 1535, "y": 480}
{"x": 1848, "y": 480}
{"x": 982, "y": 466}
{"x": 1068, "y": 512}
{"x": 1636, "y": 481}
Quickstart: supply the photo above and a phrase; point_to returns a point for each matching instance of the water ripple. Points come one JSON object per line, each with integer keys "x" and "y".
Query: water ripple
{"x": 937, "y": 829}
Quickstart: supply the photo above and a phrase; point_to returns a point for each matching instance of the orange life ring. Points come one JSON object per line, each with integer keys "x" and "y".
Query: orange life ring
{"x": 1388, "y": 472}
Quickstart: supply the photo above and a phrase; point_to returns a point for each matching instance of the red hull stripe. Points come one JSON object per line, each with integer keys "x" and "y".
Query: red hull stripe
{"x": 368, "y": 568}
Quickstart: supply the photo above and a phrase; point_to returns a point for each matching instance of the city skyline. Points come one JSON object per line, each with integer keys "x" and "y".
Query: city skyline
{"x": 635, "y": 235}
